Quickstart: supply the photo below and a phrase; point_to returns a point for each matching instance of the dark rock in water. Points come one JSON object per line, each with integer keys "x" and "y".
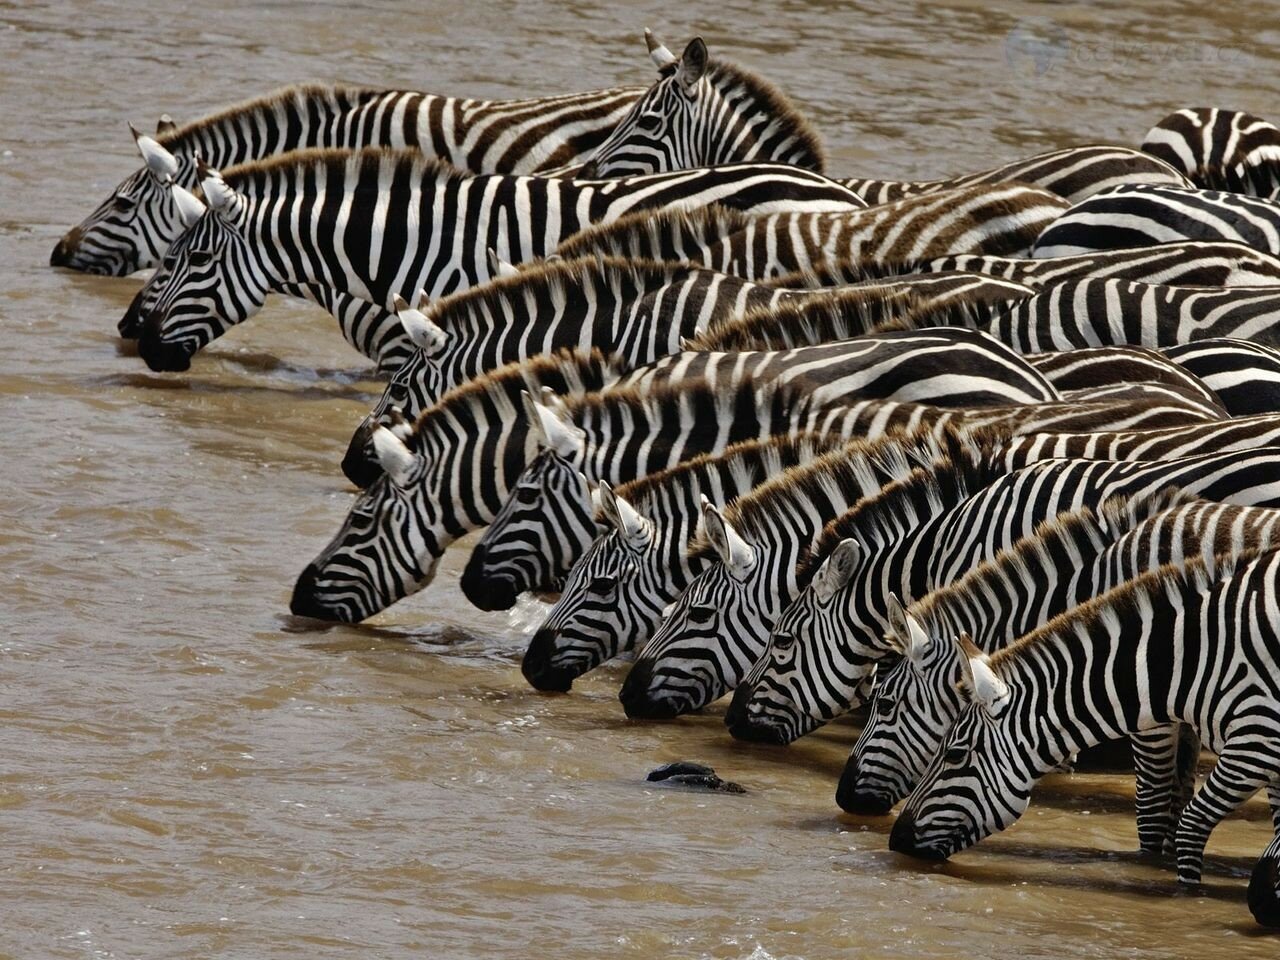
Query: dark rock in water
{"x": 697, "y": 776}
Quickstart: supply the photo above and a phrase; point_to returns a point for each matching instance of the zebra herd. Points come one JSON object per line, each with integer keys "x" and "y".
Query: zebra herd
{"x": 997, "y": 455}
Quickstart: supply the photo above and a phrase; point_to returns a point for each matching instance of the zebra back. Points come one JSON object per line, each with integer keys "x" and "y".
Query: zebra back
{"x": 1191, "y": 263}
{"x": 1242, "y": 433}
{"x": 1073, "y": 173}
{"x": 1219, "y": 149}
{"x": 1144, "y": 216}
{"x": 1103, "y": 368}
{"x": 1244, "y": 375}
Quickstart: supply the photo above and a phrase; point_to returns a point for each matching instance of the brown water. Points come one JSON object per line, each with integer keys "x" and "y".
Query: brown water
{"x": 185, "y": 771}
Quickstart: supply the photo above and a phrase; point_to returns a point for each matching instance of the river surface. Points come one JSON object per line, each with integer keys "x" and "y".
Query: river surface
{"x": 187, "y": 771}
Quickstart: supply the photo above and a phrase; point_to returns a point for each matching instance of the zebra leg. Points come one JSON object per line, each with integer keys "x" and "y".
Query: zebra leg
{"x": 1155, "y": 768}
{"x": 1264, "y": 885}
{"x": 1230, "y": 783}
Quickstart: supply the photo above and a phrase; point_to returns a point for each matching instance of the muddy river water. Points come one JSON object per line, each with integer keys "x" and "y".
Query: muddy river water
{"x": 187, "y": 771}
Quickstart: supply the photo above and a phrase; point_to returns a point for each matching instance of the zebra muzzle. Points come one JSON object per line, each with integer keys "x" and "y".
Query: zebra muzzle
{"x": 902, "y": 839}
{"x": 746, "y": 726}
{"x": 487, "y": 592}
{"x": 538, "y": 668}
{"x": 161, "y": 355}
{"x": 851, "y": 798}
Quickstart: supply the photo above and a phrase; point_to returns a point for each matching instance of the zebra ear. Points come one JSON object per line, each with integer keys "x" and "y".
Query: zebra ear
{"x": 427, "y": 336}
{"x": 216, "y": 191}
{"x": 165, "y": 125}
{"x": 631, "y": 527}
{"x": 736, "y": 554}
{"x": 190, "y": 209}
{"x": 837, "y": 569}
{"x": 396, "y": 459}
{"x": 159, "y": 161}
{"x": 693, "y": 64}
{"x": 985, "y": 688}
{"x": 500, "y": 268}
{"x": 550, "y": 430}
{"x": 662, "y": 58}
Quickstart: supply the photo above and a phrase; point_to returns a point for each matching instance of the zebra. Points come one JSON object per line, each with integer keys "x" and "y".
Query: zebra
{"x": 1004, "y": 219}
{"x": 1135, "y": 216}
{"x": 532, "y": 546}
{"x": 619, "y": 586}
{"x": 1145, "y": 443}
{"x": 1125, "y": 662}
{"x": 133, "y": 227}
{"x": 553, "y": 502}
{"x": 1191, "y": 263}
{"x": 639, "y": 310}
{"x": 703, "y": 112}
{"x": 1219, "y": 149}
{"x": 1073, "y": 173}
{"x": 379, "y": 223}
{"x": 926, "y": 534}
{"x": 1092, "y": 313}
{"x": 1069, "y": 561}
{"x": 615, "y": 592}
{"x": 1245, "y": 376}
{"x": 1091, "y": 368}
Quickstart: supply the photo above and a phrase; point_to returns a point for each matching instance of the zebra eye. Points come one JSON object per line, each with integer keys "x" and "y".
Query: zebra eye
{"x": 956, "y": 755}
{"x": 397, "y": 392}
{"x": 201, "y": 258}
{"x": 884, "y": 706}
{"x": 701, "y": 614}
{"x": 783, "y": 641}
{"x": 527, "y": 495}
{"x": 168, "y": 260}
{"x": 124, "y": 204}
{"x": 603, "y": 585}
{"x": 649, "y": 123}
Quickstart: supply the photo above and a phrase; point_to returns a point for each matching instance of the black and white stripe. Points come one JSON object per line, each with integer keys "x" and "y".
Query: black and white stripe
{"x": 378, "y": 224}
{"x": 1130, "y": 660}
{"x": 1219, "y": 149}
{"x": 133, "y": 227}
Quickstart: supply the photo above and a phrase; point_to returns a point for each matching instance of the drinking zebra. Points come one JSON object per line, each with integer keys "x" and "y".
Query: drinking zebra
{"x": 928, "y": 534}
{"x": 378, "y": 223}
{"x": 1219, "y": 149}
{"x": 1075, "y": 558}
{"x": 1125, "y": 662}
{"x": 532, "y": 545}
{"x": 1003, "y": 219}
{"x": 1136, "y": 216}
{"x": 615, "y": 593}
{"x": 133, "y": 227}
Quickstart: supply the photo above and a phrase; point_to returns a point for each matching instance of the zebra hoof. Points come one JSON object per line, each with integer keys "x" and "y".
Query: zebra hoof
{"x": 538, "y": 669}
{"x": 1264, "y": 892}
{"x": 486, "y": 592}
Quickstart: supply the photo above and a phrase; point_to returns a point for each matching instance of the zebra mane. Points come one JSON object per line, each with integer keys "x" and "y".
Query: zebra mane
{"x": 698, "y": 408}
{"x": 962, "y": 469}
{"x": 749, "y": 462}
{"x": 299, "y": 95}
{"x": 567, "y": 372}
{"x": 827, "y": 316}
{"x": 777, "y": 105}
{"x": 648, "y": 234}
{"x": 350, "y": 164}
{"x": 1237, "y": 175}
{"x": 558, "y": 278}
{"x": 1115, "y": 517}
{"x": 845, "y": 271}
{"x": 1196, "y": 572}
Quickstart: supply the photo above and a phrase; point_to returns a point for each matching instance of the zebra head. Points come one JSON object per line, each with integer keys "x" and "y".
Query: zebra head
{"x": 547, "y": 522}
{"x": 713, "y": 634}
{"x": 659, "y": 134}
{"x": 795, "y": 687}
{"x": 133, "y": 227}
{"x": 415, "y": 386}
{"x": 144, "y": 302}
{"x": 978, "y": 782}
{"x": 610, "y": 601}
{"x": 915, "y": 703}
{"x": 212, "y": 282}
{"x": 387, "y": 547}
